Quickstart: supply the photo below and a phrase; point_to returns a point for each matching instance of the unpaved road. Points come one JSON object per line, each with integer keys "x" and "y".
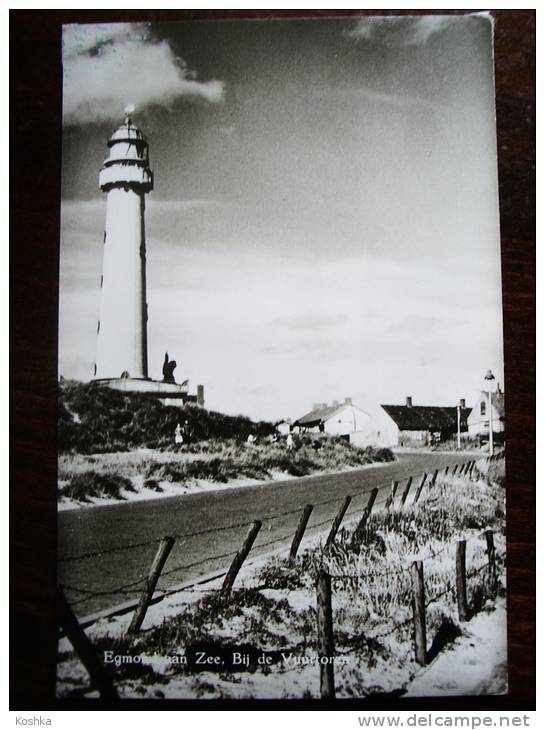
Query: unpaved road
{"x": 104, "y": 551}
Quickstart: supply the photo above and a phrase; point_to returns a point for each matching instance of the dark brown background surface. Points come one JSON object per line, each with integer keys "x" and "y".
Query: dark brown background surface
{"x": 35, "y": 149}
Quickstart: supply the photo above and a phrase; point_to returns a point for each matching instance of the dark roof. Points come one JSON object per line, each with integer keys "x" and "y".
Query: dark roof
{"x": 319, "y": 415}
{"x": 426, "y": 418}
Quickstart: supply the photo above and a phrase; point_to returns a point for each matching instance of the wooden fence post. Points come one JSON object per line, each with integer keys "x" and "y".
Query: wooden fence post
{"x": 300, "y": 531}
{"x": 434, "y": 478}
{"x": 420, "y": 488}
{"x": 326, "y": 647}
{"x": 461, "y": 586}
{"x": 163, "y": 551}
{"x": 337, "y": 521}
{"x": 391, "y": 496}
{"x": 446, "y": 470}
{"x": 454, "y": 469}
{"x": 491, "y": 552}
{"x": 406, "y": 492}
{"x": 240, "y": 557}
{"x": 466, "y": 470}
{"x": 100, "y": 677}
{"x": 419, "y": 612}
{"x": 358, "y": 532}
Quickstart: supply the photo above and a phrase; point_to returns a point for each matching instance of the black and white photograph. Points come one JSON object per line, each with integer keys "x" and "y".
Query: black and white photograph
{"x": 281, "y": 452}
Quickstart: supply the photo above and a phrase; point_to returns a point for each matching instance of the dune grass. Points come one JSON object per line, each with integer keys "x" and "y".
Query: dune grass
{"x": 109, "y": 441}
{"x": 86, "y": 485}
{"x": 372, "y": 598}
{"x": 224, "y": 461}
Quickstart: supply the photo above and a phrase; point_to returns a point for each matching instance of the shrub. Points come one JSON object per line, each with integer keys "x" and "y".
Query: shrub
{"x": 281, "y": 574}
{"x": 91, "y": 484}
{"x": 153, "y": 484}
{"x": 381, "y": 454}
{"x": 94, "y": 418}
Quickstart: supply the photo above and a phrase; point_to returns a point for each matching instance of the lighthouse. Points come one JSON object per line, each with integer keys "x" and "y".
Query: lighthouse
{"x": 126, "y": 178}
{"x": 122, "y": 339}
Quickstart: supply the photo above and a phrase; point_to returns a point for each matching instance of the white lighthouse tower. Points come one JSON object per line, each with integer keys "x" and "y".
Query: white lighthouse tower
{"x": 122, "y": 328}
{"x": 122, "y": 343}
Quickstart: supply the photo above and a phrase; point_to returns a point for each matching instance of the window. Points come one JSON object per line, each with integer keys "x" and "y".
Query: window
{"x": 483, "y": 408}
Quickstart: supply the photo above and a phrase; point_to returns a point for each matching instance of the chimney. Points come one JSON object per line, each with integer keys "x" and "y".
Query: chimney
{"x": 462, "y": 402}
{"x": 409, "y": 402}
{"x": 200, "y": 395}
{"x": 335, "y": 403}
{"x": 348, "y": 401}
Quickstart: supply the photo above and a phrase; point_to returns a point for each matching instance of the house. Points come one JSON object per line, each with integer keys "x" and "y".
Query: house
{"x": 338, "y": 419}
{"x": 478, "y": 421}
{"x": 412, "y": 425}
{"x": 283, "y": 427}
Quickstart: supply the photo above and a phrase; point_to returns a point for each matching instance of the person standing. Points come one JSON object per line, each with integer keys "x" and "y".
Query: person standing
{"x": 178, "y": 436}
{"x": 186, "y": 432}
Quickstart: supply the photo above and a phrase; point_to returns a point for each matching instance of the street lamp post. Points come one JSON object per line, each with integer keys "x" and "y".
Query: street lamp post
{"x": 489, "y": 378}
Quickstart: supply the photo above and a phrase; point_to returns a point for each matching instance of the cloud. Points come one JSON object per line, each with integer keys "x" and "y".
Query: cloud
{"x": 109, "y": 66}
{"x": 311, "y": 321}
{"x": 402, "y": 32}
{"x": 182, "y": 206}
{"x": 400, "y": 100}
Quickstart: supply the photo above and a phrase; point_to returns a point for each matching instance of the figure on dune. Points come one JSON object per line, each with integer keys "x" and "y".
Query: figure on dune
{"x": 168, "y": 370}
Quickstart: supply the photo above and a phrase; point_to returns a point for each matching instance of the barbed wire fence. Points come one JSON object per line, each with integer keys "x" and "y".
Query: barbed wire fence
{"x": 132, "y": 587}
{"x": 145, "y": 586}
{"x": 420, "y": 601}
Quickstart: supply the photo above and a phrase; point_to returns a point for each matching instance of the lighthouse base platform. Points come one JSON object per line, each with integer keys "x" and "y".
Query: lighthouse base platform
{"x": 170, "y": 394}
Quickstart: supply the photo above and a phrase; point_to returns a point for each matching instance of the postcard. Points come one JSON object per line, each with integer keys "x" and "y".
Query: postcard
{"x": 281, "y": 394}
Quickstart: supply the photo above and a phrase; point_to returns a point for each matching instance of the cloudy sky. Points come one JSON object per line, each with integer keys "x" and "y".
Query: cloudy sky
{"x": 325, "y": 218}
